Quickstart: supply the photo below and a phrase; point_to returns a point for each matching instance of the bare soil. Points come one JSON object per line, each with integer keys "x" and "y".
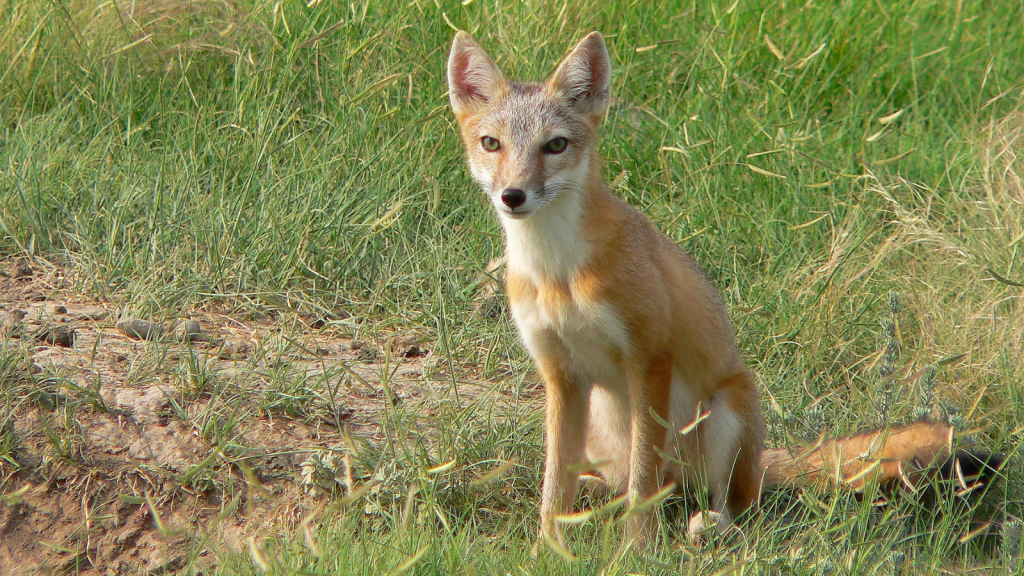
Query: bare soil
{"x": 122, "y": 476}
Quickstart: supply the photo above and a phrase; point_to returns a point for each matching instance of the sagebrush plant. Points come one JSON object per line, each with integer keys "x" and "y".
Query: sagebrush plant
{"x": 815, "y": 158}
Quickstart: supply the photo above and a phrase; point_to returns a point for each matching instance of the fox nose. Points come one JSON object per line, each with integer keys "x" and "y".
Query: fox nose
{"x": 513, "y": 197}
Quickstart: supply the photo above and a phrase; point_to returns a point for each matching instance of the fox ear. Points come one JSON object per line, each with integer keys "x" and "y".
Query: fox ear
{"x": 473, "y": 77}
{"x": 584, "y": 77}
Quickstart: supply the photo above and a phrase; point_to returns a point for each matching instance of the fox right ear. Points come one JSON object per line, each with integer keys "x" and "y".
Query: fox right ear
{"x": 473, "y": 77}
{"x": 584, "y": 77}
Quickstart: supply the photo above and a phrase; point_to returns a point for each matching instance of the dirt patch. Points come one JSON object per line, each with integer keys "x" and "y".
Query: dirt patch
{"x": 126, "y": 454}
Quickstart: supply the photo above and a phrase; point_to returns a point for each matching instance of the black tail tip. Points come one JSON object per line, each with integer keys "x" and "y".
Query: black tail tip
{"x": 972, "y": 465}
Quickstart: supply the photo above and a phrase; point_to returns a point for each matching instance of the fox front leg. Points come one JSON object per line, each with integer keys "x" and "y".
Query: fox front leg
{"x": 566, "y": 411}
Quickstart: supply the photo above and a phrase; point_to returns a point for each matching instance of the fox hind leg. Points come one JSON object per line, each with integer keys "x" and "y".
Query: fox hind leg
{"x": 651, "y": 393}
{"x": 730, "y": 447}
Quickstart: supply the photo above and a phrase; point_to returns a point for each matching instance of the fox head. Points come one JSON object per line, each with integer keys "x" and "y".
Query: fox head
{"x": 529, "y": 145}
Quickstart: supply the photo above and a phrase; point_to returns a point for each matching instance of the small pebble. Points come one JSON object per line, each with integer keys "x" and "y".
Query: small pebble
{"x": 193, "y": 332}
{"x": 62, "y": 336}
{"x": 140, "y": 329}
{"x": 414, "y": 351}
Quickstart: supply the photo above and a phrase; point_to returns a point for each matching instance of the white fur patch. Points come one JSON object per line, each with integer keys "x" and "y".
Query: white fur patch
{"x": 720, "y": 436}
{"x": 609, "y": 436}
{"x": 483, "y": 178}
{"x": 547, "y": 244}
{"x": 682, "y": 408}
{"x": 593, "y": 334}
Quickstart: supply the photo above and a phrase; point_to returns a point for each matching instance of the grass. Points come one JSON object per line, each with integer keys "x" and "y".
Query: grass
{"x": 849, "y": 174}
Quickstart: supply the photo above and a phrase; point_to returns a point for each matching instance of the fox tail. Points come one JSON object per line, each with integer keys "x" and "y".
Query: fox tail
{"x": 911, "y": 456}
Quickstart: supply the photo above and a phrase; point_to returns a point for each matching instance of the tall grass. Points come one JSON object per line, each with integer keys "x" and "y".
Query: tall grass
{"x": 848, "y": 173}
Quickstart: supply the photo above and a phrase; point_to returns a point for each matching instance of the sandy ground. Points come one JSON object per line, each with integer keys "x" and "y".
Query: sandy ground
{"x": 106, "y": 428}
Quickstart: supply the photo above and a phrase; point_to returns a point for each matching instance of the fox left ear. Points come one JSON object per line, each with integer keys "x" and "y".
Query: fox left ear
{"x": 473, "y": 77}
{"x": 584, "y": 77}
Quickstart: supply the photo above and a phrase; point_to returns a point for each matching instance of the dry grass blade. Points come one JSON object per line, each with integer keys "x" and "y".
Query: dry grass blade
{"x": 13, "y": 497}
{"x": 733, "y": 567}
{"x": 356, "y": 493}
{"x": 763, "y": 172}
{"x": 307, "y": 530}
{"x": 811, "y": 56}
{"x": 890, "y": 118}
{"x": 982, "y": 529}
{"x": 442, "y": 467}
{"x": 594, "y": 513}
{"x": 407, "y": 506}
{"x": 327, "y": 32}
{"x": 863, "y": 472}
{"x": 701, "y": 416}
{"x": 576, "y": 518}
{"x": 809, "y": 223}
{"x": 555, "y": 546}
{"x": 166, "y": 531}
{"x": 252, "y": 479}
{"x": 876, "y": 136}
{"x": 651, "y": 503}
{"x": 257, "y": 555}
{"x": 773, "y": 48}
{"x": 495, "y": 473}
{"x": 620, "y": 180}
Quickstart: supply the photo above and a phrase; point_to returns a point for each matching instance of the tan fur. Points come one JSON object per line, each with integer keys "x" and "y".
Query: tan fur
{"x": 626, "y": 330}
{"x": 897, "y": 455}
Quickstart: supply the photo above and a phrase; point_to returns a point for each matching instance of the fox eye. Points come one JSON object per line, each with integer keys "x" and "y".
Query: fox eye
{"x": 490, "y": 144}
{"x": 556, "y": 145}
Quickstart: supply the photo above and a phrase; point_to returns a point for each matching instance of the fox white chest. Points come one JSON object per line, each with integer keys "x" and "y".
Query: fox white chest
{"x": 590, "y": 336}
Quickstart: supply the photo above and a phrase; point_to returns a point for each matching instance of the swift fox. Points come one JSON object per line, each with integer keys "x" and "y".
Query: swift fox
{"x": 644, "y": 381}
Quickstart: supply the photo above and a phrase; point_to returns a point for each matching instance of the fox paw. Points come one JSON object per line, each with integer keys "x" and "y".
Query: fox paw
{"x": 704, "y": 522}
{"x": 594, "y": 485}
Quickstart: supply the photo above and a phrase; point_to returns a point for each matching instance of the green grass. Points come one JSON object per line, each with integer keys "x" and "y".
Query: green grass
{"x": 848, "y": 174}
